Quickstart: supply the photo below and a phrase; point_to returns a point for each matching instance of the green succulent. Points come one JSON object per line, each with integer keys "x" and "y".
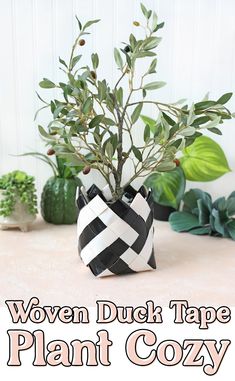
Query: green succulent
{"x": 201, "y": 216}
{"x": 17, "y": 185}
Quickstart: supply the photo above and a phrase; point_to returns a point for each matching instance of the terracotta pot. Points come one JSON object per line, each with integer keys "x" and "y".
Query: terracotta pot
{"x": 115, "y": 237}
{"x": 20, "y": 217}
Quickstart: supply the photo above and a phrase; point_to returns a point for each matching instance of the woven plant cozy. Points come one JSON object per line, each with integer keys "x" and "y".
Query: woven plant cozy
{"x": 115, "y": 238}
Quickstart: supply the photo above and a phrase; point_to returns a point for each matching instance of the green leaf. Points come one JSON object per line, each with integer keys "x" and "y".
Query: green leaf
{"x": 109, "y": 122}
{"x": 79, "y": 23}
{"x": 203, "y": 212}
{"x": 213, "y": 123}
{"x": 95, "y": 60}
{"x": 96, "y": 121}
{"x": 224, "y": 99}
{"x": 133, "y": 41}
{"x": 151, "y": 43}
{"x": 145, "y": 54}
{"x": 89, "y": 23}
{"x": 232, "y": 195}
{"x": 167, "y": 187}
{"x": 144, "y": 10}
{"x": 204, "y": 105}
{"x": 183, "y": 221}
{"x": 58, "y": 110}
{"x": 191, "y": 200}
{"x": 63, "y": 62}
{"x": 118, "y": 58}
{"x": 161, "y": 25}
{"x": 173, "y": 130}
{"x": 201, "y": 120}
{"x": 231, "y": 229}
{"x": 231, "y": 206}
{"x": 119, "y": 95}
{"x": 109, "y": 149}
{"x": 155, "y": 20}
{"x": 75, "y": 61}
{"x": 44, "y": 134}
{"x": 165, "y": 166}
{"x": 218, "y": 223}
{"x": 169, "y": 120}
{"x": 189, "y": 131}
{"x": 42, "y": 100}
{"x": 154, "y": 85}
{"x": 47, "y": 84}
{"x": 87, "y": 106}
{"x": 152, "y": 67}
{"x": 146, "y": 133}
{"x": 102, "y": 90}
{"x": 114, "y": 141}
{"x": 137, "y": 153}
{"x": 149, "y": 121}
{"x": 136, "y": 113}
{"x": 204, "y": 160}
{"x": 215, "y": 131}
{"x": 71, "y": 158}
{"x": 201, "y": 231}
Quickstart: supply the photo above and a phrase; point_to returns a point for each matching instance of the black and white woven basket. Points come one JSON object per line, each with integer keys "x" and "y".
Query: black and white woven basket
{"x": 115, "y": 238}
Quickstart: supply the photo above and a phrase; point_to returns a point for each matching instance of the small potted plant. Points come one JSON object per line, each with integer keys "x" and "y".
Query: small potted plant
{"x": 115, "y": 224}
{"x": 18, "y": 201}
{"x": 201, "y": 216}
{"x": 203, "y": 161}
{"x": 58, "y": 197}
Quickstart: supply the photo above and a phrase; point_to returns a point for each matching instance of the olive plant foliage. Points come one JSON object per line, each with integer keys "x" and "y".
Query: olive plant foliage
{"x": 94, "y": 121}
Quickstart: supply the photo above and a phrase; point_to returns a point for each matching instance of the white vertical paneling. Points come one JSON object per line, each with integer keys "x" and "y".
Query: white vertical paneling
{"x": 9, "y": 111}
{"x": 195, "y": 55}
{"x": 24, "y": 79}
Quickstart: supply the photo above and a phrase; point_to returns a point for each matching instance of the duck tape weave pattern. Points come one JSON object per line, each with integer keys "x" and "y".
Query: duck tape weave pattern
{"x": 116, "y": 238}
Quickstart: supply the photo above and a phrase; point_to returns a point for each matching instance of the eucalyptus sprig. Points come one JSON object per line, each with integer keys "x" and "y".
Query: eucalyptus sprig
{"x": 93, "y": 119}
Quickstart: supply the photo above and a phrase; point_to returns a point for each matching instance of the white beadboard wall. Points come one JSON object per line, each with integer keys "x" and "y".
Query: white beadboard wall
{"x": 197, "y": 55}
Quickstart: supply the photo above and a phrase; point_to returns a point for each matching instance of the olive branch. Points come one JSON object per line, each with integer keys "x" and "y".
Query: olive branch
{"x": 93, "y": 120}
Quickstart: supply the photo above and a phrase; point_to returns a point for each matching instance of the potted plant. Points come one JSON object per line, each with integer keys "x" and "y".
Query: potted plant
{"x": 203, "y": 161}
{"x": 18, "y": 201}
{"x": 58, "y": 197}
{"x": 115, "y": 225}
{"x": 202, "y": 216}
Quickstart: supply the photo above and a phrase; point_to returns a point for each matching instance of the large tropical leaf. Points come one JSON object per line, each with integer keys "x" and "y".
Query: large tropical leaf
{"x": 204, "y": 160}
{"x": 167, "y": 187}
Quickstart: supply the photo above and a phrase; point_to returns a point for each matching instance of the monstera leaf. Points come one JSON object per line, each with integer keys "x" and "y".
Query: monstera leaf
{"x": 167, "y": 187}
{"x": 204, "y": 160}
{"x": 201, "y": 216}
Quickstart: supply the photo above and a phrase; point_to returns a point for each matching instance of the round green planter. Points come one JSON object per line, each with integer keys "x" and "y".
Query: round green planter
{"x": 58, "y": 201}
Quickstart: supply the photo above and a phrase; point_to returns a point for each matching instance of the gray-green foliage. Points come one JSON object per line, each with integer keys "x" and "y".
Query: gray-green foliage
{"x": 96, "y": 118}
{"x": 61, "y": 167}
{"x": 16, "y": 186}
{"x": 201, "y": 216}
